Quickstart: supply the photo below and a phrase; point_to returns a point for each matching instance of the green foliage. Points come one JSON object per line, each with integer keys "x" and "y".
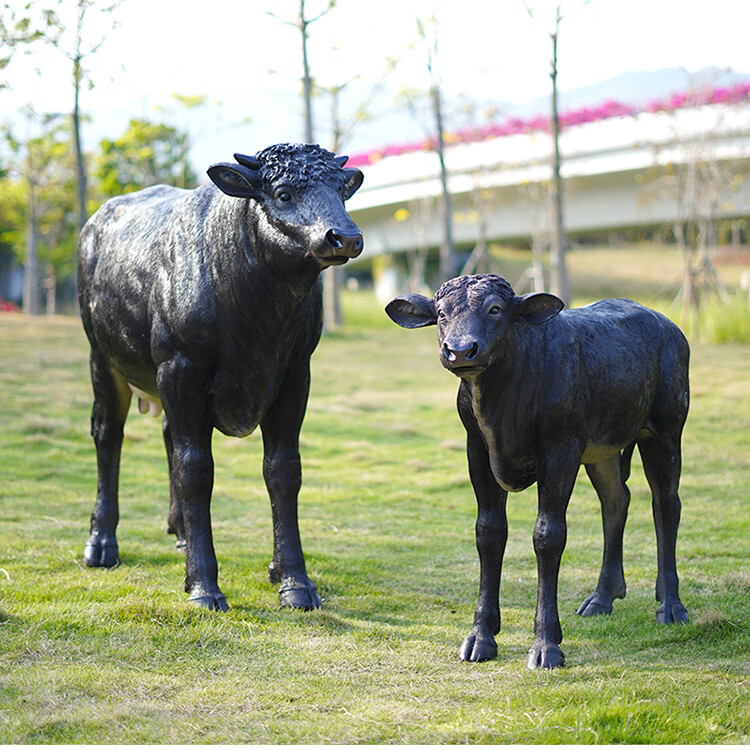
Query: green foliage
{"x": 145, "y": 154}
{"x": 12, "y": 214}
{"x": 723, "y": 323}
{"x": 45, "y": 164}
{"x": 387, "y": 515}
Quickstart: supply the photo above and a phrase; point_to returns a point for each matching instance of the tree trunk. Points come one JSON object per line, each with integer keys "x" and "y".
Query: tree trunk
{"x": 31, "y": 281}
{"x": 80, "y": 164}
{"x": 448, "y": 260}
{"x": 558, "y": 265}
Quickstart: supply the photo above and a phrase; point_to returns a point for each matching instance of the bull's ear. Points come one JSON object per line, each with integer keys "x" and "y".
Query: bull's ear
{"x": 235, "y": 179}
{"x": 354, "y": 180}
{"x": 412, "y": 311}
{"x": 536, "y": 308}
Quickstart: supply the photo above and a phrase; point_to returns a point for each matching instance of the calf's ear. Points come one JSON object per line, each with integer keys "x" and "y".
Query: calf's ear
{"x": 235, "y": 179}
{"x": 412, "y": 311}
{"x": 354, "y": 180}
{"x": 537, "y": 307}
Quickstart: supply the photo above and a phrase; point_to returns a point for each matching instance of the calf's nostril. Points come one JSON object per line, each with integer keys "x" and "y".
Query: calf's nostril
{"x": 473, "y": 351}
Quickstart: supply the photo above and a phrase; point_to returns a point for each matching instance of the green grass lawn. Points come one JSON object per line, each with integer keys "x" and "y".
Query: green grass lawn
{"x": 387, "y": 514}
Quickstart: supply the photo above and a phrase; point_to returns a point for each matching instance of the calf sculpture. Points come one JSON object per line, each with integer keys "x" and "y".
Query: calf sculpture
{"x": 542, "y": 392}
{"x": 208, "y": 302}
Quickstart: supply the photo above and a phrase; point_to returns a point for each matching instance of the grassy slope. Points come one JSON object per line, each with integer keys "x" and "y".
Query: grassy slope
{"x": 96, "y": 656}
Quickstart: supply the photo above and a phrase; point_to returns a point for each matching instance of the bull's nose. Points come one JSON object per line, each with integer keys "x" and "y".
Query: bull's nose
{"x": 461, "y": 357}
{"x": 342, "y": 243}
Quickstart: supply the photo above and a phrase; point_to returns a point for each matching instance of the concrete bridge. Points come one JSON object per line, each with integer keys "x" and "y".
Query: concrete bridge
{"x": 619, "y": 172}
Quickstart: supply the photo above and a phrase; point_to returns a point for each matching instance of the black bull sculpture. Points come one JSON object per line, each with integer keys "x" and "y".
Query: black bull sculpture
{"x": 208, "y": 303}
{"x": 542, "y": 392}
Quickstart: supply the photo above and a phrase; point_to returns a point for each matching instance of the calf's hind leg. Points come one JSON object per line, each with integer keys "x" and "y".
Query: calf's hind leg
{"x": 111, "y": 403}
{"x": 662, "y": 463}
{"x": 614, "y": 496}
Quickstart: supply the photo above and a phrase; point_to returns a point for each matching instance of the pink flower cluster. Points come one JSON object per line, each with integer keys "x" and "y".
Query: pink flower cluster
{"x": 736, "y": 94}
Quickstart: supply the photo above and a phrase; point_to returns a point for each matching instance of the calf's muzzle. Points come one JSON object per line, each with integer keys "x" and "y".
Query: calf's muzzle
{"x": 460, "y": 356}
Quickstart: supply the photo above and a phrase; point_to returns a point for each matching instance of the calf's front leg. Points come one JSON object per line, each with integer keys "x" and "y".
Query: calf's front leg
{"x": 556, "y": 475}
{"x": 282, "y": 472}
{"x": 183, "y": 393}
{"x": 491, "y": 536}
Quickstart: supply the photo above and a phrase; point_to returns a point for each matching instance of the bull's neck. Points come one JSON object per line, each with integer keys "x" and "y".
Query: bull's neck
{"x": 250, "y": 266}
{"x": 256, "y": 299}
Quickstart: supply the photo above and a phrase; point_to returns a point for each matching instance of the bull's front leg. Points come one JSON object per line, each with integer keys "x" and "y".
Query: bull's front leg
{"x": 282, "y": 472}
{"x": 556, "y": 475}
{"x": 175, "y": 523}
{"x": 111, "y": 402}
{"x": 183, "y": 391}
{"x": 491, "y": 536}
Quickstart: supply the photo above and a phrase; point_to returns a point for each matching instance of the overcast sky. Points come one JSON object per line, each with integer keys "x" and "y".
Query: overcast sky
{"x": 489, "y": 49}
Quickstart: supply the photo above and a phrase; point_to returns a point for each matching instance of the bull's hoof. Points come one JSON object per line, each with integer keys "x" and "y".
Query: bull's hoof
{"x": 596, "y": 604}
{"x": 477, "y": 647}
{"x": 298, "y": 594}
{"x": 274, "y": 572}
{"x": 667, "y": 614}
{"x": 181, "y": 545}
{"x": 545, "y": 656}
{"x": 210, "y": 601}
{"x": 101, "y": 552}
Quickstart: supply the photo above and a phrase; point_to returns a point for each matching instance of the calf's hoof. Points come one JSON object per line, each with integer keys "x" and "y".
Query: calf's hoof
{"x": 596, "y": 604}
{"x": 101, "y": 552}
{"x": 210, "y": 601}
{"x": 545, "y": 656}
{"x": 299, "y": 594}
{"x": 477, "y": 647}
{"x": 667, "y": 614}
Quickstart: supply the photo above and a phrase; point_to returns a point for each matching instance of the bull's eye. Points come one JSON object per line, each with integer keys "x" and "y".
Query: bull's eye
{"x": 495, "y": 310}
{"x": 283, "y": 196}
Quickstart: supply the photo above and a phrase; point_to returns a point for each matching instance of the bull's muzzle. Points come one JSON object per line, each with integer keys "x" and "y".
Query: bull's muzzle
{"x": 341, "y": 246}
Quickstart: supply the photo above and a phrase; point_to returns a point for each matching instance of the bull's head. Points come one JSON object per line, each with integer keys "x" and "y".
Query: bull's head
{"x": 473, "y": 315}
{"x": 300, "y": 189}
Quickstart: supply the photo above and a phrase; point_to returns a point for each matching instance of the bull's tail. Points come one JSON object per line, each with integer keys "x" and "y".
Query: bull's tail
{"x": 625, "y": 458}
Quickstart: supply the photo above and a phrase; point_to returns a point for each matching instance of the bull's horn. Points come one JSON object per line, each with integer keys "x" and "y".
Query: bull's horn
{"x": 248, "y": 161}
{"x": 341, "y": 160}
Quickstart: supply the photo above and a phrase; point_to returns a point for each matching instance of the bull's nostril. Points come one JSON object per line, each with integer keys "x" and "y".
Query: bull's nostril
{"x": 334, "y": 240}
{"x": 473, "y": 351}
{"x": 449, "y": 355}
{"x": 350, "y": 244}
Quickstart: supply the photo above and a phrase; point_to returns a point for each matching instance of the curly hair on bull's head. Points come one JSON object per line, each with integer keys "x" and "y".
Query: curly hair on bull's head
{"x": 481, "y": 284}
{"x": 301, "y": 164}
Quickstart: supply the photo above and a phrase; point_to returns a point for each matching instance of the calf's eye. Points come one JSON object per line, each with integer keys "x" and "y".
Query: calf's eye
{"x": 495, "y": 310}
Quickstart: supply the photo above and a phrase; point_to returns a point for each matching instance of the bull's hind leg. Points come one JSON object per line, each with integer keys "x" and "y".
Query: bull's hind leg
{"x": 614, "y": 496}
{"x": 175, "y": 521}
{"x": 111, "y": 403}
{"x": 662, "y": 464}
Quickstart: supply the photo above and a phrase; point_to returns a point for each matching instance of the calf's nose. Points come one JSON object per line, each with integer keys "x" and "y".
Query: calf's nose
{"x": 460, "y": 357}
{"x": 342, "y": 243}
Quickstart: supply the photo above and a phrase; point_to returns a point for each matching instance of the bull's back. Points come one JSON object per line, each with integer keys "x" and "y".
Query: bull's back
{"x": 121, "y": 252}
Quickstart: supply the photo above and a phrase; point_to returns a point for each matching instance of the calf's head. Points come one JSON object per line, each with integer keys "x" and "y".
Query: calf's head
{"x": 474, "y": 316}
{"x": 300, "y": 191}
